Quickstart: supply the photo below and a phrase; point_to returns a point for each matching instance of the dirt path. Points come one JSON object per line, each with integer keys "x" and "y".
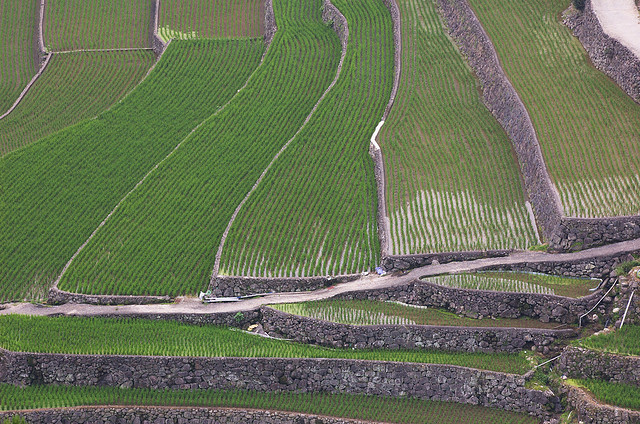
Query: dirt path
{"x": 620, "y": 19}
{"x": 193, "y": 305}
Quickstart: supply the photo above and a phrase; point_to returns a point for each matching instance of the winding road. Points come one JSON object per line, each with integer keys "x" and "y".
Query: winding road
{"x": 194, "y": 306}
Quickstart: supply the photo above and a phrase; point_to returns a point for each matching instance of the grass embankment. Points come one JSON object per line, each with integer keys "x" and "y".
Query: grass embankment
{"x": 74, "y": 87}
{"x": 96, "y": 24}
{"x": 168, "y": 338}
{"x": 315, "y": 211}
{"x": 624, "y": 341}
{"x": 17, "y": 47}
{"x": 369, "y": 408}
{"x": 616, "y": 394}
{"x": 587, "y": 126}
{"x": 518, "y": 282}
{"x": 212, "y": 18}
{"x": 164, "y": 237}
{"x": 452, "y": 179}
{"x": 57, "y": 191}
{"x": 368, "y": 312}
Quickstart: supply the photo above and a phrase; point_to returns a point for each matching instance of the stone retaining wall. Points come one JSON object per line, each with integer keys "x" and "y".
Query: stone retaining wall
{"x": 591, "y": 412}
{"x": 457, "y": 339}
{"x": 57, "y": 297}
{"x": 582, "y": 233}
{"x": 606, "y": 53}
{"x": 330, "y": 13}
{"x": 505, "y": 105}
{"x": 392, "y": 263}
{"x": 270, "y": 26}
{"x": 40, "y": 51}
{"x": 483, "y": 303}
{"x": 397, "y": 52}
{"x": 165, "y": 415}
{"x": 228, "y": 319}
{"x": 239, "y": 286}
{"x": 578, "y": 362}
{"x": 424, "y": 381}
{"x": 157, "y": 44}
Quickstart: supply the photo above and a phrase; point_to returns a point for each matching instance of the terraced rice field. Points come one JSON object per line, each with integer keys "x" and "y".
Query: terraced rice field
{"x": 368, "y": 312}
{"x": 518, "y": 282}
{"x": 390, "y": 410}
{"x": 587, "y": 126}
{"x": 173, "y": 223}
{"x": 453, "y": 182}
{"x": 74, "y": 87}
{"x": 616, "y": 394}
{"x": 107, "y": 336}
{"x": 96, "y": 24}
{"x": 315, "y": 211}
{"x": 212, "y": 18}
{"x": 57, "y": 191}
{"x": 17, "y": 49}
{"x": 624, "y": 341}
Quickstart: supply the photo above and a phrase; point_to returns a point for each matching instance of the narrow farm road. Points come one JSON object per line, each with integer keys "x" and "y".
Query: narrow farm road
{"x": 620, "y": 19}
{"x": 193, "y": 305}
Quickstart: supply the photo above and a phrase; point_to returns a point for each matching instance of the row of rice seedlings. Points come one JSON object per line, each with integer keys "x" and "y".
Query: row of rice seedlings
{"x": 363, "y": 407}
{"x": 587, "y": 126}
{"x": 482, "y": 282}
{"x": 74, "y": 87}
{"x": 213, "y": 18}
{"x": 168, "y": 338}
{"x": 452, "y": 179}
{"x": 617, "y": 394}
{"x": 341, "y": 313}
{"x": 625, "y": 340}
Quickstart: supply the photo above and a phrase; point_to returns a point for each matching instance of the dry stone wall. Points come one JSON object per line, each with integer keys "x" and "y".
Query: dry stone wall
{"x": 578, "y": 362}
{"x": 483, "y": 303}
{"x": 157, "y": 44}
{"x": 57, "y": 297}
{"x": 394, "y": 263}
{"x": 582, "y": 233}
{"x": 424, "y": 381}
{"x": 160, "y": 415}
{"x": 460, "y": 339}
{"x": 240, "y": 286}
{"x": 591, "y": 412}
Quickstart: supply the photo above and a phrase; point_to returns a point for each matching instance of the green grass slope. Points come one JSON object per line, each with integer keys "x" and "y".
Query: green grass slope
{"x": 97, "y": 24}
{"x": 587, "y": 126}
{"x": 54, "y": 193}
{"x": 212, "y": 18}
{"x": 18, "y": 21}
{"x": 315, "y": 211}
{"x": 74, "y": 87}
{"x": 453, "y": 182}
{"x": 164, "y": 237}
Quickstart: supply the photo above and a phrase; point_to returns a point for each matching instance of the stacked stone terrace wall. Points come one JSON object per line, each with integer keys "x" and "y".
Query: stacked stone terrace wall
{"x": 57, "y": 297}
{"x": 330, "y": 13}
{"x": 228, "y": 319}
{"x": 240, "y": 286}
{"x": 157, "y": 415}
{"x": 270, "y": 26}
{"x": 424, "y": 381}
{"x": 483, "y": 303}
{"x": 157, "y": 44}
{"x": 590, "y": 411}
{"x": 582, "y": 233}
{"x": 460, "y": 339}
{"x": 578, "y": 362}
{"x": 393, "y": 263}
{"x": 39, "y": 52}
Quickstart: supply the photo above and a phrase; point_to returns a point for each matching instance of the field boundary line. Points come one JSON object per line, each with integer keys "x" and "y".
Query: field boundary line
{"x": 124, "y": 49}
{"x": 29, "y": 85}
{"x": 104, "y": 221}
{"x": 344, "y": 42}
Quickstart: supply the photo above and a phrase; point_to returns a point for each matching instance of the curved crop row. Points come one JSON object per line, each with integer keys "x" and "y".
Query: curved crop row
{"x": 54, "y": 193}
{"x": 163, "y": 239}
{"x": 97, "y": 24}
{"x": 315, "y": 211}
{"x": 74, "y": 87}
{"x": 452, "y": 178}
{"x": 212, "y": 18}
{"x": 17, "y": 48}
{"x": 587, "y": 126}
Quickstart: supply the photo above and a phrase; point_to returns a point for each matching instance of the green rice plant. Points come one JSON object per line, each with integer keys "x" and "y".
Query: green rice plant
{"x": 517, "y": 282}
{"x": 370, "y": 312}
{"x": 17, "y": 48}
{"x": 57, "y": 191}
{"x": 370, "y": 408}
{"x": 586, "y": 125}
{"x": 74, "y": 87}
{"x": 617, "y": 394}
{"x": 315, "y": 211}
{"x": 164, "y": 237}
{"x": 212, "y": 18}
{"x": 95, "y": 24}
{"x": 452, "y": 181}
{"x": 625, "y": 341}
{"x": 132, "y": 337}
